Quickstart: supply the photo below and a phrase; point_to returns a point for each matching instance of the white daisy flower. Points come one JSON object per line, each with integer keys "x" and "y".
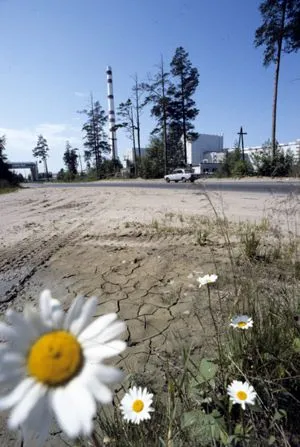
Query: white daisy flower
{"x": 53, "y": 364}
{"x": 241, "y": 393}
{"x": 136, "y": 405}
{"x": 241, "y": 322}
{"x": 207, "y": 279}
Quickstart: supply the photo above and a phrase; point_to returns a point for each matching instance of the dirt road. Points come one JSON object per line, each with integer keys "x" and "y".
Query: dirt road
{"x": 133, "y": 248}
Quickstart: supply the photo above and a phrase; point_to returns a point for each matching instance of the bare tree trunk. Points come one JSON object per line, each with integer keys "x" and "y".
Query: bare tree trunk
{"x": 183, "y": 120}
{"x": 137, "y": 110}
{"x": 164, "y": 117}
{"x": 276, "y": 79}
{"x": 95, "y": 135}
{"x": 46, "y": 168}
{"x": 133, "y": 141}
{"x": 275, "y": 96}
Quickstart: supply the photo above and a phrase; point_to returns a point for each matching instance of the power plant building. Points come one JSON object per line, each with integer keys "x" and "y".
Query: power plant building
{"x": 201, "y": 148}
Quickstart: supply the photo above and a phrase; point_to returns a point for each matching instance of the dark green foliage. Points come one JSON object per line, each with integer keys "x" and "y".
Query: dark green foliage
{"x": 266, "y": 164}
{"x": 70, "y": 159}
{"x": 2, "y": 148}
{"x": 7, "y": 178}
{"x": 281, "y": 19}
{"x": 175, "y": 152}
{"x": 152, "y": 165}
{"x": 108, "y": 168}
{"x": 95, "y": 137}
{"x": 279, "y": 33}
{"x": 184, "y": 110}
{"x": 234, "y": 166}
{"x": 41, "y": 152}
{"x": 173, "y": 107}
{"x": 125, "y": 112}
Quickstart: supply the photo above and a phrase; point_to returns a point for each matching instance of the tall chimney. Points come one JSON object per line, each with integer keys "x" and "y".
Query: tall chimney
{"x": 111, "y": 113}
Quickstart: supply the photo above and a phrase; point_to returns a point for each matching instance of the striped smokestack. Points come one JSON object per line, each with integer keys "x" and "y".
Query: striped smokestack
{"x": 111, "y": 113}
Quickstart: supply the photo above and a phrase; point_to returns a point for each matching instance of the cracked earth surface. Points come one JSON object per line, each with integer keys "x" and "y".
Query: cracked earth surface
{"x": 108, "y": 243}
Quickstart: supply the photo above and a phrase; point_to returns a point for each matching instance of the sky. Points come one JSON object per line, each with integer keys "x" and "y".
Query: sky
{"x": 55, "y": 52}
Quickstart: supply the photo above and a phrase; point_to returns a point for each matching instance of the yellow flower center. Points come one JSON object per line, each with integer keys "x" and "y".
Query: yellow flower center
{"x": 138, "y": 405}
{"x": 55, "y": 358}
{"x": 241, "y": 395}
{"x": 242, "y": 324}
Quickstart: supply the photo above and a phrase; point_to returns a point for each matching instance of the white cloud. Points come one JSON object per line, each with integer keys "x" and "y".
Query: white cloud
{"x": 20, "y": 142}
{"x": 81, "y": 94}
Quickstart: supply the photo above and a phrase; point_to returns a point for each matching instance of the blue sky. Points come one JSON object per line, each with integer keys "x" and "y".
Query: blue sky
{"x": 54, "y": 52}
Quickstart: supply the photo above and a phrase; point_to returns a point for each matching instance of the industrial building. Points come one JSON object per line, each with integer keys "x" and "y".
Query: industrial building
{"x": 205, "y": 147}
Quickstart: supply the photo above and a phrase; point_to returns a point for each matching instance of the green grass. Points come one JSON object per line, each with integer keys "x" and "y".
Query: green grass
{"x": 9, "y": 189}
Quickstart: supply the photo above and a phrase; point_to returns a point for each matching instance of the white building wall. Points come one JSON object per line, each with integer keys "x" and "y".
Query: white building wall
{"x": 293, "y": 147}
{"x": 130, "y": 156}
{"x": 204, "y": 143}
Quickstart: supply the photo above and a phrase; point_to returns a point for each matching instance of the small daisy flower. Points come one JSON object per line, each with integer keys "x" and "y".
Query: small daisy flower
{"x": 52, "y": 363}
{"x": 241, "y": 393}
{"x": 241, "y": 322}
{"x": 207, "y": 279}
{"x": 136, "y": 405}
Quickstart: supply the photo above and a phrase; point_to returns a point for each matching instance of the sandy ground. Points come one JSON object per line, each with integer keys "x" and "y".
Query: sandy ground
{"x": 96, "y": 241}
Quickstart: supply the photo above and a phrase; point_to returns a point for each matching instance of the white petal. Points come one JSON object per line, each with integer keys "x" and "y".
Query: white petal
{"x": 112, "y": 331}
{"x": 22, "y": 410}
{"x": 101, "y": 392}
{"x": 33, "y": 318}
{"x": 97, "y": 326}
{"x": 21, "y": 326}
{"x": 51, "y": 310}
{"x": 73, "y": 312}
{"x": 58, "y": 313}
{"x": 108, "y": 374}
{"x": 16, "y": 394}
{"x": 95, "y": 353}
{"x": 87, "y": 312}
{"x": 87, "y": 408}
{"x": 36, "y": 428}
{"x": 7, "y": 333}
{"x": 65, "y": 411}
{"x": 45, "y": 306}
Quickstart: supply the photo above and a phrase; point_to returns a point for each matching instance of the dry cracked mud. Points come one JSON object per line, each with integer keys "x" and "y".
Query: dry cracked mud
{"x": 111, "y": 244}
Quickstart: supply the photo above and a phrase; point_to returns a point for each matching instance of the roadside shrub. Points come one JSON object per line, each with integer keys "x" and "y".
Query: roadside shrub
{"x": 279, "y": 166}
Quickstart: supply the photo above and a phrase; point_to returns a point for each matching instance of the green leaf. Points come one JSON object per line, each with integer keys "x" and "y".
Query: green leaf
{"x": 280, "y": 414}
{"x": 207, "y": 370}
{"x": 296, "y": 344}
{"x": 271, "y": 440}
{"x": 207, "y": 426}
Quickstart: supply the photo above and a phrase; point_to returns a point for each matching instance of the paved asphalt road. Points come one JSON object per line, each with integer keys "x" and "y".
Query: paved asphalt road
{"x": 276, "y": 187}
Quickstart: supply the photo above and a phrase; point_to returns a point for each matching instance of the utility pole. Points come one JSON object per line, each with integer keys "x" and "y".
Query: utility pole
{"x": 241, "y": 134}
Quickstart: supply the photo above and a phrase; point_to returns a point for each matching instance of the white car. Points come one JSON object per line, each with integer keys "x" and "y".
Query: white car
{"x": 180, "y": 175}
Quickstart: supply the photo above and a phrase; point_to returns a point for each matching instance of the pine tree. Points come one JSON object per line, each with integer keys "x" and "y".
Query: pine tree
{"x": 2, "y": 148}
{"x": 94, "y": 135}
{"x": 70, "y": 159}
{"x": 153, "y": 160}
{"x": 279, "y": 33}
{"x": 125, "y": 111}
{"x": 184, "y": 110}
{"x": 156, "y": 94}
{"x": 41, "y": 152}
